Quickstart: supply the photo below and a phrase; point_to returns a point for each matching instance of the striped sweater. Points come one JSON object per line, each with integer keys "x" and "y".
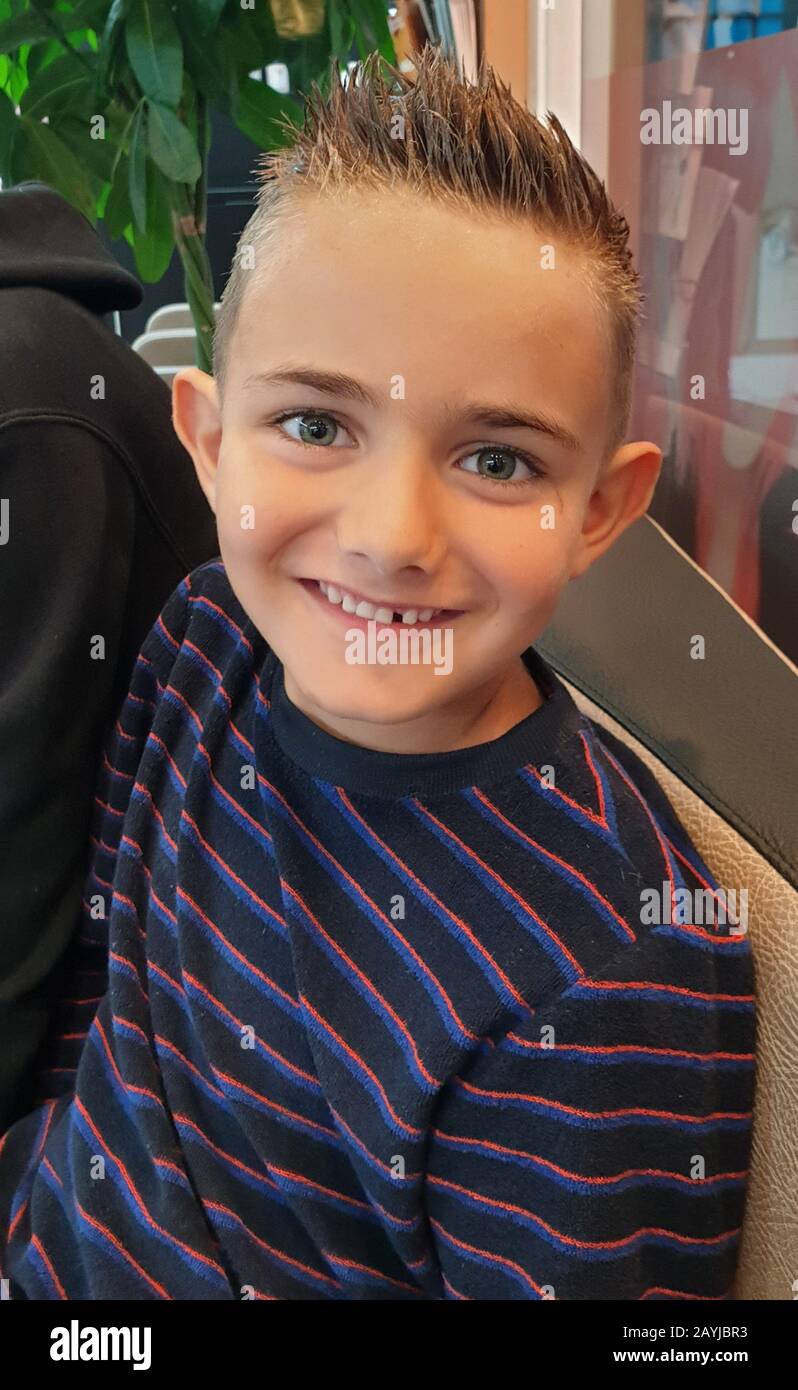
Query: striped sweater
{"x": 346, "y": 1024}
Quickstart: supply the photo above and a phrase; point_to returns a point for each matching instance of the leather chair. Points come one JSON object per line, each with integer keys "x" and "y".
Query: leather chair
{"x": 720, "y": 736}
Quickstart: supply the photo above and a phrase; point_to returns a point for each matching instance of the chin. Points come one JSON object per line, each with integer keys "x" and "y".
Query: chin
{"x": 365, "y": 693}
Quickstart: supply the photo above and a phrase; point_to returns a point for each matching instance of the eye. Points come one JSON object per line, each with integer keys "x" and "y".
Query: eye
{"x": 496, "y": 464}
{"x": 315, "y": 427}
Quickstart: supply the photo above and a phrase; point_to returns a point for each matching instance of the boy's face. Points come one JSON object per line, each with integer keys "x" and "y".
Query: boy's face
{"x": 392, "y": 490}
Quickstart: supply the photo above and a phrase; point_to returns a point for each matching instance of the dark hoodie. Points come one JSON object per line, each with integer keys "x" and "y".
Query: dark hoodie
{"x": 101, "y": 518}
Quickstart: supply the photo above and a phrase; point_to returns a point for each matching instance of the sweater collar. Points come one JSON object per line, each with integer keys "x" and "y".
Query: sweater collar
{"x": 535, "y": 739}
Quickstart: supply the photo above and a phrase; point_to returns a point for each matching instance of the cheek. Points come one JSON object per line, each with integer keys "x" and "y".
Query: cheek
{"x": 257, "y": 509}
{"x": 531, "y": 565}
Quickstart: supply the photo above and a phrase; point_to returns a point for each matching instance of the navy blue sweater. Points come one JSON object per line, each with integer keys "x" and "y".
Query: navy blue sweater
{"x": 354, "y": 1025}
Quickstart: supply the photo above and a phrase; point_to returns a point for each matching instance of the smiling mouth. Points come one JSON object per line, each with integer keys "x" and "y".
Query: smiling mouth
{"x": 360, "y": 610}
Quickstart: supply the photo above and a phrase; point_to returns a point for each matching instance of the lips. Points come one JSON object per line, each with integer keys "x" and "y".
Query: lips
{"x": 356, "y": 608}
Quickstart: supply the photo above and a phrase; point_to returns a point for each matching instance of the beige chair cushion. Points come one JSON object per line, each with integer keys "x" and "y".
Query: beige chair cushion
{"x": 768, "y": 1264}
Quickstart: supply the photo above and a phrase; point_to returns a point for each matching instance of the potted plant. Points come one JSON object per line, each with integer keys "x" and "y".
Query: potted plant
{"x": 109, "y": 102}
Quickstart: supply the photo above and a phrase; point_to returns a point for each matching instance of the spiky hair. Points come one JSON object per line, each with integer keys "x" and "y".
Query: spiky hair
{"x": 468, "y": 144}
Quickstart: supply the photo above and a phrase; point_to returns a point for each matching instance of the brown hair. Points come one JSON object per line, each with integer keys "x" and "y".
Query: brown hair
{"x": 471, "y": 144}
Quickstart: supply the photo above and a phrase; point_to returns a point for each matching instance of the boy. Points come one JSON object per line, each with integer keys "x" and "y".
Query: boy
{"x": 385, "y": 1018}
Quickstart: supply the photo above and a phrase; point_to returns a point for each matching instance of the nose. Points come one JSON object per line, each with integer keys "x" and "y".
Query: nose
{"x": 392, "y": 517}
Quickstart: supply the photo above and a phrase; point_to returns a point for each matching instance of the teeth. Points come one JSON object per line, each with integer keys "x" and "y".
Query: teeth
{"x": 362, "y": 609}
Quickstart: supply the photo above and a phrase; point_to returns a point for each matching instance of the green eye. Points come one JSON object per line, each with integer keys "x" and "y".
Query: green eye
{"x": 499, "y": 465}
{"x": 497, "y": 462}
{"x": 314, "y": 427}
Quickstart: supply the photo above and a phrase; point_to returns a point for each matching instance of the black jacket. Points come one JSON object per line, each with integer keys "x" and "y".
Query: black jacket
{"x": 100, "y": 517}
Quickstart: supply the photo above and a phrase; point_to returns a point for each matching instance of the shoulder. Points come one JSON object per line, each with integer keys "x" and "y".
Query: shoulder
{"x": 203, "y": 627}
{"x": 672, "y": 892}
{"x": 607, "y": 827}
{"x": 645, "y": 823}
{"x": 212, "y": 606}
{"x": 625, "y": 765}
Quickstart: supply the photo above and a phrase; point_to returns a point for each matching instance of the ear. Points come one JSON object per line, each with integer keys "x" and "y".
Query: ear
{"x": 622, "y": 493}
{"x": 196, "y": 416}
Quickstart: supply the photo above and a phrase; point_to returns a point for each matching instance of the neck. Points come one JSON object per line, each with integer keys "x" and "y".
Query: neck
{"x": 487, "y": 713}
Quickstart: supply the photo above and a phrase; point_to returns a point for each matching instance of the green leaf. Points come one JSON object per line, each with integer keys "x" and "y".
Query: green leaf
{"x": 8, "y": 125}
{"x": 84, "y": 14}
{"x": 373, "y": 32}
{"x": 206, "y": 14}
{"x": 342, "y": 29}
{"x": 137, "y": 169}
{"x": 257, "y": 110}
{"x": 247, "y": 39}
{"x": 63, "y": 85}
{"x": 23, "y": 28}
{"x": 207, "y": 64}
{"x": 153, "y": 248}
{"x": 110, "y": 41}
{"x": 172, "y": 145}
{"x": 118, "y": 213}
{"x": 119, "y": 123}
{"x": 43, "y": 54}
{"x": 40, "y": 154}
{"x": 17, "y": 80}
{"x": 94, "y": 153}
{"x": 155, "y": 51}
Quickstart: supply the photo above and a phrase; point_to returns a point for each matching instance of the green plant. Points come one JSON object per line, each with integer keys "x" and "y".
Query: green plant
{"x": 109, "y": 102}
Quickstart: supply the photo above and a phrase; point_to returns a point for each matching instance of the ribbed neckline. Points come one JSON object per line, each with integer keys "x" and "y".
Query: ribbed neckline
{"x": 372, "y": 772}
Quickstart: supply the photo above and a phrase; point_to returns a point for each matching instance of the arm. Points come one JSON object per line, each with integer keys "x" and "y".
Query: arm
{"x": 64, "y": 568}
{"x": 575, "y": 1171}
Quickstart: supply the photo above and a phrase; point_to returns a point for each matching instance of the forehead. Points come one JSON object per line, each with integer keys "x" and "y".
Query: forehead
{"x": 384, "y": 284}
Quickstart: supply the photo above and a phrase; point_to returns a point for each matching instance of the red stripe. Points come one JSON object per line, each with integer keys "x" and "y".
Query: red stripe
{"x": 605, "y": 1180}
{"x": 620, "y": 1048}
{"x": 134, "y": 1192}
{"x": 667, "y": 989}
{"x": 486, "y": 1255}
{"x": 239, "y": 1024}
{"x": 272, "y": 1249}
{"x": 239, "y": 955}
{"x": 368, "y": 1269}
{"x": 572, "y": 1240}
{"x": 400, "y": 1023}
{"x": 270, "y": 912}
{"x": 207, "y": 603}
{"x": 552, "y": 935}
{"x": 570, "y": 868}
{"x": 119, "y": 1247}
{"x": 37, "y": 1245}
{"x": 364, "y": 1067}
{"x": 669, "y": 1115}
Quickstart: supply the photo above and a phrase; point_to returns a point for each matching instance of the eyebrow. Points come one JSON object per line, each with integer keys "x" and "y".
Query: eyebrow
{"x": 497, "y": 417}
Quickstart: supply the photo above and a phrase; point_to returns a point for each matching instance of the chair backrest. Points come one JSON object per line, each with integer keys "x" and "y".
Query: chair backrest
{"x": 767, "y": 1264}
{"x": 170, "y": 316}
{"x": 172, "y": 348}
{"x": 719, "y": 737}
